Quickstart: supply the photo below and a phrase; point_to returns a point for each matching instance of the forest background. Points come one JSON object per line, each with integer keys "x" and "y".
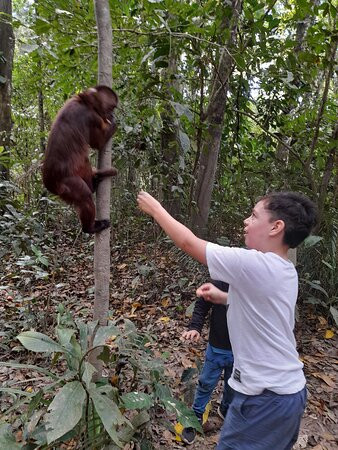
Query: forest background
{"x": 220, "y": 102}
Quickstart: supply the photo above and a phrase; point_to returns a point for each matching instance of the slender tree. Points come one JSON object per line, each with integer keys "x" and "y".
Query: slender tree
{"x": 214, "y": 123}
{"x": 102, "y": 239}
{"x": 170, "y": 146}
{"x": 6, "y": 64}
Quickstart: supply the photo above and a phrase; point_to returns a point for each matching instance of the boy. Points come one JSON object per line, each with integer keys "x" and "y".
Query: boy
{"x": 267, "y": 377}
{"x": 218, "y": 358}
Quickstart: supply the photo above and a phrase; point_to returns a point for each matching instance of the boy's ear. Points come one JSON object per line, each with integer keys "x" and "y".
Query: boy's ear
{"x": 277, "y": 227}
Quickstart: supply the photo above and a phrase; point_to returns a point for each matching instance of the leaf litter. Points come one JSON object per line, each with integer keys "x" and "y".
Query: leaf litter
{"x": 154, "y": 286}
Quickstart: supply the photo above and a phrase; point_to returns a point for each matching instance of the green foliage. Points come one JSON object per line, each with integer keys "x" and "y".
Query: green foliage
{"x": 24, "y": 236}
{"x": 72, "y": 404}
{"x": 66, "y": 410}
{"x": 7, "y": 440}
{"x": 318, "y": 276}
{"x": 277, "y": 80}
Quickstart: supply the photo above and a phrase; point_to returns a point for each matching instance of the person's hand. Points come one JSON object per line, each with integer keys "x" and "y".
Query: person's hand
{"x": 191, "y": 335}
{"x": 147, "y": 203}
{"x": 212, "y": 294}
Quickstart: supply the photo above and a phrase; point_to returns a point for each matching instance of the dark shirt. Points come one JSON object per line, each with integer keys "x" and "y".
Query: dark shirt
{"x": 218, "y": 334}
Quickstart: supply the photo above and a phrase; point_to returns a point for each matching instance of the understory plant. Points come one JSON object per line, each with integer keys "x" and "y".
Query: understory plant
{"x": 318, "y": 270}
{"x": 72, "y": 406}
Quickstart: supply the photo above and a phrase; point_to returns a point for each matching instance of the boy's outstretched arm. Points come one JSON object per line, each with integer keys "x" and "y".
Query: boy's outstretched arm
{"x": 180, "y": 234}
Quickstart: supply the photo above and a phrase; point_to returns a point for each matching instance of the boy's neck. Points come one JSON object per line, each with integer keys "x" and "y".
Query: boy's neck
{"x": 283, "y": 254}
{"x": 280, "y": 250}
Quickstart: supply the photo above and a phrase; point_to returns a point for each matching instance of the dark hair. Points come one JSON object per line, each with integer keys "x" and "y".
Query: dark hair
{"x": 298, "y": 213}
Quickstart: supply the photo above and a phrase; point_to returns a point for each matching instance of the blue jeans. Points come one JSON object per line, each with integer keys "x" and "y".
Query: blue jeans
{"x": 268, "y": 421}
{"x": 213, "y": 367}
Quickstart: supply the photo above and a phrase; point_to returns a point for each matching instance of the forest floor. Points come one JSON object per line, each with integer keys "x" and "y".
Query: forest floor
{"x": 153, "y": 286}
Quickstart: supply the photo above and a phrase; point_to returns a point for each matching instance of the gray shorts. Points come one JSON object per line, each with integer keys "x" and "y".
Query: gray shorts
{"x": 267, "y": 421}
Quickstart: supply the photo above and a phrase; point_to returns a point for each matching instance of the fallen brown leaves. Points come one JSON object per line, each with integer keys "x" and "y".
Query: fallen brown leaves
{"x": 153, "y": 286}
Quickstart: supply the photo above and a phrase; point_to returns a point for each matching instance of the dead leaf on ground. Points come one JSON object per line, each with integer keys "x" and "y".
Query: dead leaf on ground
{"x": 329, "y": 334}
{"x": 165, "y": 302}
{"x": 164, "y": 319}
{"x": 325, "y": 378}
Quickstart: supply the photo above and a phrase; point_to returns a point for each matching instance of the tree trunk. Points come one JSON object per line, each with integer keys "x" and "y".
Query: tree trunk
{"x": 170, "y": 146}
{"x": 41, "y": 120}
{"x": 41, "y": 107}
{"x": 282, "y": 151}
{"x": 6, "y": 64}
{"x": 320, "y": 114}
{"x": 214, "y": 127}
{"x": 102, "y": 239}
{"x": 331, "y": 162}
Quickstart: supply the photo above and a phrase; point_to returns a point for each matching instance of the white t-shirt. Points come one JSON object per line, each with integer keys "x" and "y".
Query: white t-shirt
{"x": 262, "y": 298}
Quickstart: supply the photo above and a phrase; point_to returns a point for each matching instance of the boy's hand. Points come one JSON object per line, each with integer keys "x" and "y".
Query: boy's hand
{"x": 212, "y": 294}
{"x": 191, "y": 335}
{"x": 147, "y": 203}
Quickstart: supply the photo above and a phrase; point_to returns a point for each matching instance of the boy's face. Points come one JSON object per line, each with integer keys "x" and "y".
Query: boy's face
{"x": 258, "y": 227}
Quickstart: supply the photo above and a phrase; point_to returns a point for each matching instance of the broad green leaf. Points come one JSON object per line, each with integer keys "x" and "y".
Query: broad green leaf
{"x": 162, "y": 391}
{"x": 35, "y": 401}
{"x": 184, "y": 141}
{"x": 41, "y": 26}
{"x": 65, "y": 410}
{"x": 310, "y": 241}
{"x": 127, "y": 432}
{"x": 129, "y": 326}
{"x": 88, "y": 373}
{"x": 241, "y": 65}
{"x": 182, "y": 110}
{"x": 334, "y": 313}
{"x": 28, "y": 366}
{"x": 185, "y": 415}
{"x": 64, "y": 335}
{"x": 34, "y": 420}
{"x": 103, "y": 333}
{"x": 7, "y": 440}
{"x": 104, "y": 354}
{"x": 83, "y": 331}
{"x": 74, "y": 353}
{"x": 181, "y": 163}
{"x": 137, "y": 400}
{"x": 108, "y": 412}
{"x": 38, "y": 342}
{"x": 317, "y": 287}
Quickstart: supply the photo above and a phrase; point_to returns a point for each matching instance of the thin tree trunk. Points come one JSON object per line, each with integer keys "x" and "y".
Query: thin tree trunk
{"x": 102, "y": 239}
{"x": 41, "y": 121}
{"x": 214, "y": 124}
{"x": 6, "y": 64}
{"x": 199, "y": 136}
{"x": 332, "y": 56}
{"x": 41, "y": 112}
{"x": 170, "y": 145}
{"x": 330, "y": 163}
{"x": 282, "y": 151}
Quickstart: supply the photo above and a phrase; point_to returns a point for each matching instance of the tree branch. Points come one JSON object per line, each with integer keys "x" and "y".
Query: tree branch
{"x": 323, "y": 102}
{"x": 291, "y": 150}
